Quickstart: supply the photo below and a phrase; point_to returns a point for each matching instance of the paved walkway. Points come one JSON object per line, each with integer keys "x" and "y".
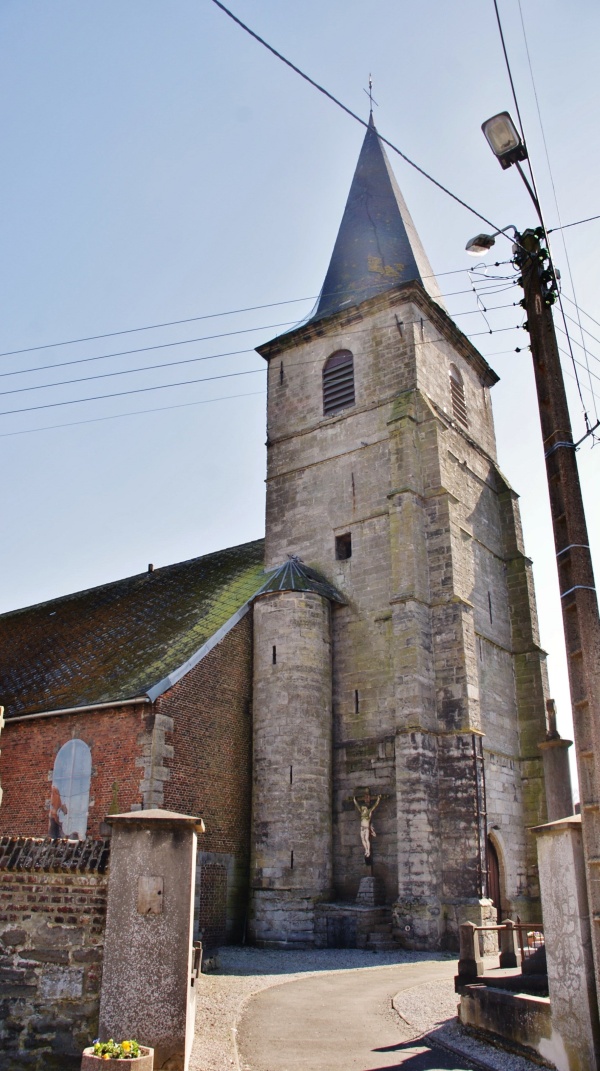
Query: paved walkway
{"x": 330, "y": 1010}
{"x": 341, "y": 1022}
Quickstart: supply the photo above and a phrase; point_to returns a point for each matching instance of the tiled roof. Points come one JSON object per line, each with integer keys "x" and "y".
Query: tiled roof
{"x": 116, "y": 641}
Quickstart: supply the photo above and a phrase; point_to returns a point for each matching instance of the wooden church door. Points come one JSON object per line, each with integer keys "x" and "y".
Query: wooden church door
{"x": 493, "y": 865}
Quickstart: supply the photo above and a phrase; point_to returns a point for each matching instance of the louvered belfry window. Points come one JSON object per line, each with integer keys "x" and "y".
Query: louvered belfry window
{"x": 338, "y": 382}
{"x": 457, "y": 392}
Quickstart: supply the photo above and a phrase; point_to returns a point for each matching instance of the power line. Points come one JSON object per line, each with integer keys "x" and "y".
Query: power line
{"x": 533, "y": 190}
{"x": 144, "y": 349}
{"x": 168, "y": 364}
{"x": 134, "y": 412}
{"x": 585, "y": 331}
{"x": 353, "y": 115}
{"x": 122, "y": 393}
{"x": 208, "y": 316}
{"x": 589, "y": 316}
{"x": 564, "y": 226}
{"x": 555, "y": 195}
{"x": 123, "y": 372}
{"x": 152, "y": 327}
{"x": 207, "y": 379}
{"x": 195, "y": 360}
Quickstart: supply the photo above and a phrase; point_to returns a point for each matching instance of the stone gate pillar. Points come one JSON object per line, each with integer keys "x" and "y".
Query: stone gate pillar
{"x": 148, "y": 982}
{"x": 575, "y": 1041}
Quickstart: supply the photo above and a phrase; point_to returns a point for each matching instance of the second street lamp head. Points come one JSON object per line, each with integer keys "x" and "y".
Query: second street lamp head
{"x": 481, "y": 243}
{"x": 504, "y": 140}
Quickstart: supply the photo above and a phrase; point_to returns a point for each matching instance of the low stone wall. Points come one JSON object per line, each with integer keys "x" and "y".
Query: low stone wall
{"x": 52, "y": 919}
{"x": 519, "y": 1021}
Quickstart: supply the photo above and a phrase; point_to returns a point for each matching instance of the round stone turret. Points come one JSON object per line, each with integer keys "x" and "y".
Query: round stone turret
{"x": 291, "y": 862}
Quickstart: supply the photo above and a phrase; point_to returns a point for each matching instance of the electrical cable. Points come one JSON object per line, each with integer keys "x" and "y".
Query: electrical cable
{"x": 134, "y": 412}
{"x": 588, "y": 314}
{"x": 164, "y": 364}
{"x": 536, "y": 200}
{"x": 144, "y": 349}
{"x": 586, "y": 332}
{"x": 545, "y": 144}
{"x": 564, "y": 226}
{"x": 137, "y": 390}
{"x": 151, "y": 327}
{"x": 207, "y": 379}
{"x": 182, "y": 405}
{"x": 353, "y": 115}
{"x": 123, "y": 372}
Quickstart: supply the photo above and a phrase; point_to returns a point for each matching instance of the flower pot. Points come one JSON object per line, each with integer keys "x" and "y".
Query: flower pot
{"x": 143, "y": 1062}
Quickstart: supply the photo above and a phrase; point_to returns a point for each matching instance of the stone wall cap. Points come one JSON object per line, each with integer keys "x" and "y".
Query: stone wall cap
{"x": 573, "y": 820}
{"x": 156, "y": 816}
{"x": 553, "y": 742}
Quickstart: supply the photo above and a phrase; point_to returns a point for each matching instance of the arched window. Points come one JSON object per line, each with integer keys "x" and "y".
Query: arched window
{"x": 457, "y": 392}
{"x": 338, "y": 382}
{"x": 70, "y": 793}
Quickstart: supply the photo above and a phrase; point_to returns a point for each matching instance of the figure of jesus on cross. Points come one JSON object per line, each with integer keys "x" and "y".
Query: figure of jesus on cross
{"x": 366, "y": 829}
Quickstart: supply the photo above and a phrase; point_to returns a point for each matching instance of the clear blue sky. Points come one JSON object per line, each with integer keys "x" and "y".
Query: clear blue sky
{"x": 158, "y": 164}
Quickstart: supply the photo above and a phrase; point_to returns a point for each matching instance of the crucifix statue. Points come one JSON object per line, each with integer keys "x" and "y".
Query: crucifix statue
{"x": 365, "y": 810}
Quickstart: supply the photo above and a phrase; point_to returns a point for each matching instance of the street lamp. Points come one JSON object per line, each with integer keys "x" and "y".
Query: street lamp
{"x": 482, "y": 243}
{"x": 505, "y": 142}
{"x": 504, "y": 139}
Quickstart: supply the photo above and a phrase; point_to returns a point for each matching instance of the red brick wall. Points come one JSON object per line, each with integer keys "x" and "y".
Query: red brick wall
{"x": 212, "y": 734}
{"x": 29, "y": 748}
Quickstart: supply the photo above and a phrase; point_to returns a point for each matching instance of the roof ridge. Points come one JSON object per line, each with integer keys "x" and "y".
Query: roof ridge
{"x": 123, "y": 580}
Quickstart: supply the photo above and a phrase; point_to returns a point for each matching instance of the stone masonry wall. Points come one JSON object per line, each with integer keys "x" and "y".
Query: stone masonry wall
{"x": 436, "y": 645}
{"x": 291, "y": 805}
{"x": 52, "y": 918}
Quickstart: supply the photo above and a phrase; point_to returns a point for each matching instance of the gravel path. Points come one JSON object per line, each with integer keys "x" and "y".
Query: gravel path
{"x": 243, "y": 972}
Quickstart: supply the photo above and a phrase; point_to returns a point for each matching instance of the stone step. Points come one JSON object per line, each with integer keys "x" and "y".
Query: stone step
{"x": 380, "y": 943}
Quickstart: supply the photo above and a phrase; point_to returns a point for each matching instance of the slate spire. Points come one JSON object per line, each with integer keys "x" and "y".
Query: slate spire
{"x": 377, "y": 247}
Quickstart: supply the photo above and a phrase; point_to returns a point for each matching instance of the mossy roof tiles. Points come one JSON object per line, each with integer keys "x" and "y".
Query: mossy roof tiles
{"x": 116, "y": 641}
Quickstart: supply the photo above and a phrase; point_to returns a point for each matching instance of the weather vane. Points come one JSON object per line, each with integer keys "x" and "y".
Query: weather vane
{"x": 369, "y": 93}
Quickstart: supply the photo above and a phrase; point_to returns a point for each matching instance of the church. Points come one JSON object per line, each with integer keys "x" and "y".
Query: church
{"x": 353, "y": 705}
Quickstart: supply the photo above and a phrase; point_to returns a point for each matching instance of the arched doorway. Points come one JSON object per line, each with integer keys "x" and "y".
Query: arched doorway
{"x": 493, "y": 867}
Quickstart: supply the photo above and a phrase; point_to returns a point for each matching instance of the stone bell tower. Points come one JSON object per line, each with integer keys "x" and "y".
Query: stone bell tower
{"x": 421, "y": 680}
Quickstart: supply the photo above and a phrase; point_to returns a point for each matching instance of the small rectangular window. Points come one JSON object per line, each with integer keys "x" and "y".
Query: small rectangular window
{"x": 343, "y": 547}
{"x": 274, "y": 655}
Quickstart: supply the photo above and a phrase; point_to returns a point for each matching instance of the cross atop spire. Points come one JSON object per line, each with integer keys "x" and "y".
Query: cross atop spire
{"x": 369, "y": 93}
{"x": 377, "y": 247}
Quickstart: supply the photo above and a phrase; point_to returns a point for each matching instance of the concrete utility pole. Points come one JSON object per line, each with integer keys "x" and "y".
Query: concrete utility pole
{"x": 576, "y": 577}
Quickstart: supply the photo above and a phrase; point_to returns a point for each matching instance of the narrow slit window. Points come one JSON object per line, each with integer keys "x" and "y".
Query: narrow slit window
{"x": 274, "y": 655}
{"x": 343, "y": 547}
{"x": 490, "y": 607}
{"x": 291, "y": 775}
{"x": 338, "y": 382}
{"x": 457, "y": 394}
{"x": 356, "y": 702}
{"x": 291, "y": 860}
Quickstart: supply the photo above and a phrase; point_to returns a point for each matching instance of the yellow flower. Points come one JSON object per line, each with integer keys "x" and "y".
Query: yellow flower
{"x": 106, "y": 1056}
{"x": 126, "y": 1045}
